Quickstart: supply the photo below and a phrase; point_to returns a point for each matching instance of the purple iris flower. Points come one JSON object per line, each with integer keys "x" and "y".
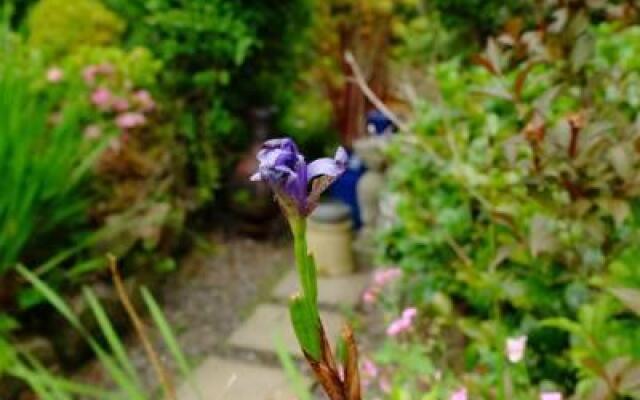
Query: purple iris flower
{"x": 283, "y": 167}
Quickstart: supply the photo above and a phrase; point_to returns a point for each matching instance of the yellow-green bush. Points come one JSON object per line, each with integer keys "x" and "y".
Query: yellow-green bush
{"x": 59, "y": 26}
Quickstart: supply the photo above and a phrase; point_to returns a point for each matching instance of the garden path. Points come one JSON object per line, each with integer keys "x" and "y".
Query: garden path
{"x": 245, "y": 365}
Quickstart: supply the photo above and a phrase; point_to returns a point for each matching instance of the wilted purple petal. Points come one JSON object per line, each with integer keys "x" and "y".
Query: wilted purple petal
{"x": 328, "y": 166}
{"x": 323, "y": 166}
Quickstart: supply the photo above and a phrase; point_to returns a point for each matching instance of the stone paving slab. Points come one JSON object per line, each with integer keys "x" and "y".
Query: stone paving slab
{"x": 220, "y": 379}
{"x": 335, "y": 291}
{"x": 271, "y": 321}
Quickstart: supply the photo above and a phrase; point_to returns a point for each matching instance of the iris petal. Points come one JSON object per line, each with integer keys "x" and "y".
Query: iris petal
{"x": 285, "y": 169}
{"x": 328, "y": 166}
{"x": 256, "y": 177}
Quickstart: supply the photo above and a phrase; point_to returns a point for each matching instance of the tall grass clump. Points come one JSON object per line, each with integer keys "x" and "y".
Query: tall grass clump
{"x": 43, "y": 163}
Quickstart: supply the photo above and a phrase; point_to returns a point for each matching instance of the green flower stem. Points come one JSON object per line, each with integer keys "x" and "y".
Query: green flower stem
{"x": 304, "y": 262}
{"x": 303, "y": 307}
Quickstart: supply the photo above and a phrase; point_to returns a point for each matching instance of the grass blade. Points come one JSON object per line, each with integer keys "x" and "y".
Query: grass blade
{"x": 110, "y": 335}
{"x": 297, "y": 380}
{"x": 169, "y": 339}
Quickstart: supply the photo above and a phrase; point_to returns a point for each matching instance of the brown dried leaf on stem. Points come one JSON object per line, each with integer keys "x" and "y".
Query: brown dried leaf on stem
{"x": 141, "y": 332}
{"x": 327, "y": 373}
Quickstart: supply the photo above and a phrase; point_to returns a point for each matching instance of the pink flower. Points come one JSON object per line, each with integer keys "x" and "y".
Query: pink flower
{"x": 381, "y": 278}
{"x": 92, "y": 71}
{"x": 54, "y": 75}
{"x": 101, "y": 98}
{"x": 403, "y": 323}
{"x": 397, "y": 327}
{"x": 386, "y": 276}
{"x": 460, "y": 394}
{"x": 515, "y": 348}
{"x": 409, "y": 313}
{"x": 120, "y": 105}
{"x": 144, "y": 99}
{"x": 369, "y": 368}
{"x": 92, "y": 132}
{"x": 550, "y": 396}
{"x": 370, "y": 296}
{"x": 89, "y": 74}
{"x": 130, "y": 120}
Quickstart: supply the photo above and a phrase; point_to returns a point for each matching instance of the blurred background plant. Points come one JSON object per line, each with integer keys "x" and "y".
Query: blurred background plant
{"x": 216, "y": 55}
{"x": 527, "y": 221}
{"x": 130, "y": 126}
{"x": 118, "y": 118}
{"x": 46, "y": 165}
{"x": 107, "y": 345}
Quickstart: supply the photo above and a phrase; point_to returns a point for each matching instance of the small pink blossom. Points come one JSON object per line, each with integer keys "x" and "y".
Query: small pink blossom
{"x": 120, "y": 105}
{"x": 398, "y": 326}
{"x": 130, "y": 120}
{"x": 550, "y": 396}
{"x": 101, "y": 98}
{"x": 409, "y": 313}
{"x": 55, "y": 75}
{"x": 515, "y": 348}
{"x": 370, "y": 296}
{"x": 92, "y": 131}
{"x": 91, "y": 72}
{"x": 386, "y": 276}
{"x": 369, "y": 368}
{"x": 381, "y": 278}
{"x": 403, "y": 323}
{"x": 460, "y": 394}
{"x": 144, "y": 99}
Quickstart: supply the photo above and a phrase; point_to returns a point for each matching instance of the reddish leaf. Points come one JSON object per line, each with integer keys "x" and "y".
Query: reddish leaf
{"x": 351, "y": 376}
{"x": 484, "y": 61}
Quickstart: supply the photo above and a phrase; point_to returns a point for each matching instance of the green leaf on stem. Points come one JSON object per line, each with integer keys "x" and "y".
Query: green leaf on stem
{"x": 306, "y": 326}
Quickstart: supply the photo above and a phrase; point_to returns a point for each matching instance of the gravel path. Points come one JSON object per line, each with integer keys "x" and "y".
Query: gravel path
{"x": 209, "y": 296}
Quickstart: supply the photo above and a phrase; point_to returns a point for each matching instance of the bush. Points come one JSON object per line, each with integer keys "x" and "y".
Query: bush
{"x": 58, "y": 27}
{"x": 141, "y": 198}
{"x": 221, "y": 58}
{"x": 483, "y": 16}
{"x": 517, "y": 207}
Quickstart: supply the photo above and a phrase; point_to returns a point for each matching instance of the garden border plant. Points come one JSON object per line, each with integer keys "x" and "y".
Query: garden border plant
{"x": 297, "y": 187}
{"x": 517, "y": 212}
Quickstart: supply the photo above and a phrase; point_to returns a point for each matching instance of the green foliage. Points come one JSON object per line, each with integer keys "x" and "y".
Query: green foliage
{"x": 19, "y": 10}
{"x": 220, "y": 58}
{"x": 44, "y": 164}
{"x": 483, "y": 16}
{"x": 517, "y": 202}
{"x": 420, "y": 36}
{"x": 107, "y": 345}
{"x": 59, "y": 27}
{"x": 140, "y": 201}
{"x": 308, "y": 121}
{"x": 134, "y": 68}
